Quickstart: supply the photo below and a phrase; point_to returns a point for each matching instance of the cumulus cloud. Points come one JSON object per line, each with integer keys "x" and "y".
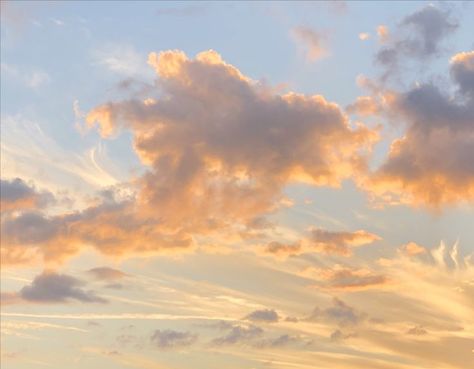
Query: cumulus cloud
{"x": 419, "y": 36}
{"x": 265, "y": 315}
{"x": 50, "y": 287}
{"x": 170, "y": 339}
{"x": 432, "y": 163}
{"x": 16, "y": 194}
{"x": 311, "y": 41}
{"x": 211, "y": 138}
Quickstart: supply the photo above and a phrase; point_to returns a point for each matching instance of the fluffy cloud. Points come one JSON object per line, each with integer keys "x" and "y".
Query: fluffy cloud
{"x": 18, "y": 195}
{"x": 168, "y": 339}
{"x": 432, "y": 163}
{"x": 226, "y": 146}
{"x": 50, "y": 287}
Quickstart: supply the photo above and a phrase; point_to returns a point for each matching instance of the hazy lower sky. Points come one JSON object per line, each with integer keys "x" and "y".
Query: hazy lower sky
{"x": 237, "y": 185}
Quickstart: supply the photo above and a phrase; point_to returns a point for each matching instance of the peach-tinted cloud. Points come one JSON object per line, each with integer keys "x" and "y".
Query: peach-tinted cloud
{"x": 323, "y": 241}
{"x": 18, "y": 195}
{"x": 346, "y": 278}
{"x": 431, "y": 165}
{"x": 339, "y": 243}
{"x": 383, "y": 33}
{"x": 312, "y": 42}
{"x": 219, "y": 149}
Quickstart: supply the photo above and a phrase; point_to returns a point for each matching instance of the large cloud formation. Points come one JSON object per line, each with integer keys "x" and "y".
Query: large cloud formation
{"x": 219, "y": 148}
{"x": 432, "y": 163}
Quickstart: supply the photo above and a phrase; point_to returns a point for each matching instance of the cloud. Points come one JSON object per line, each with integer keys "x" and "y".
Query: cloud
{"x": 106, "y": 273}
{"x": 121, "y": 59}
{"x": 215, "y": 140}
{"x": 31, "y": 78}
{"x": 431, "y": 164}
{"x": 346, "y": 279}
{"x": 311, "y": 41}
{"x": 419, "y": 36}
{"x": 363, "y": 36}
{"x": 412, "y": 248}
{"x": 339, "y": 313}
{"x": 462, "y": 73}
{"x": 50, "y": 287}
{"x": 266, "y": 315}
{"x": 383, "y": 33}
{"x": 239, "y": 334}
{"x": 169, "y": 339}
{"x": 15, "y": 194}
{"x": 339, "y": 243}
{"x": 323, "y": 241}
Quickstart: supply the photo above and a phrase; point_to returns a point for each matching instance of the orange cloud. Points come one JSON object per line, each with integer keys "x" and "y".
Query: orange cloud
{"x": 219, "y": 149}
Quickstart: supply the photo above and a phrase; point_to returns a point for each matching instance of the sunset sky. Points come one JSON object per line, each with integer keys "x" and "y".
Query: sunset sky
{"x": 237, "y": 185}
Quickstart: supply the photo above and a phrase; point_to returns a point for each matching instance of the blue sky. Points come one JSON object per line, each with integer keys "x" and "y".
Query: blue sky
{"x": 172, "y": 195}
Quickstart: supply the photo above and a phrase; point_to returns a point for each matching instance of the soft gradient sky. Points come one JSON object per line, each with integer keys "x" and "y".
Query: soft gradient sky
{"x": 238, "y": 185}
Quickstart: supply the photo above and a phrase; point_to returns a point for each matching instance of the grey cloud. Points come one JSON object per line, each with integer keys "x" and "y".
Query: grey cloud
{"x": 432, "y": 164}
{"x": 16, "y": 194}
{"x": 30, "y": 228}
{"x": 340, "y": 313}
{"x": 52, "y": 287}
{"x": 168, "y": 339}
{"x": 239, "y": 334}
{"x": 418, "y": 37}
{"x": 106, "y": 273}
{"x": 266, "y": 315}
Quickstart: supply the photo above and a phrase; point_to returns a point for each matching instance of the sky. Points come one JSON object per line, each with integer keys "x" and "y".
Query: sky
{"x": 229, "y": 185}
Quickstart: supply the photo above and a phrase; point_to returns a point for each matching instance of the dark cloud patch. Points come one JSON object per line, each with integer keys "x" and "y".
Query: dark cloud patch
{"x": 169, "y": 339}
{"x": 419, "y": 36}
{"x": 52, "y": 287}
{"x": 16, "y": 194}
{"x": 339, "y": 313}
{"x": 239, "y": 334}
{"x": 266, "y": 315}
{"x": 30, "y": 228}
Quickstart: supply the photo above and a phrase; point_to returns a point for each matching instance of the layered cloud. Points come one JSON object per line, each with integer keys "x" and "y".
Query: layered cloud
{"x": 323, "y": 241}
